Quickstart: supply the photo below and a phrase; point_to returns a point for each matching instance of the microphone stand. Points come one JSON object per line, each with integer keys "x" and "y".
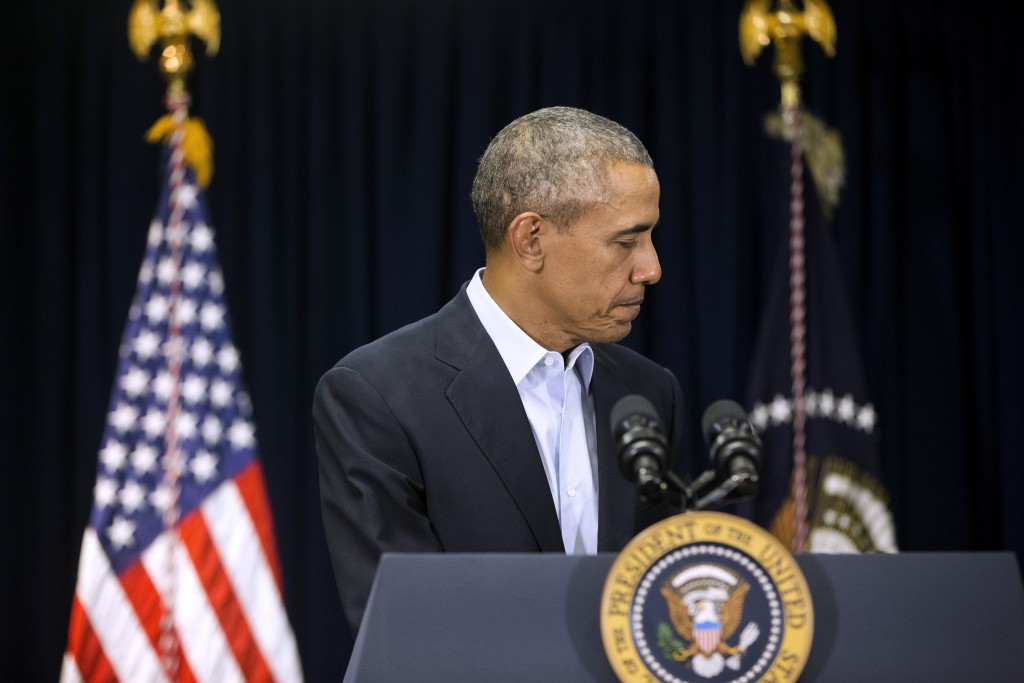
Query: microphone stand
{"x": 704, "y": 492}
{"x": 737, "y": 486}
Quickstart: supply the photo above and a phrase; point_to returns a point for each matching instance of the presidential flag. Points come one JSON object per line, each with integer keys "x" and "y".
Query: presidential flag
{"x": 178, "y": 577}
{"x": 821, "y": 488}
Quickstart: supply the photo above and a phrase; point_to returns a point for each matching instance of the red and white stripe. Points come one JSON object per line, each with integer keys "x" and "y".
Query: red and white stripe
{"x": 229, "y": 617}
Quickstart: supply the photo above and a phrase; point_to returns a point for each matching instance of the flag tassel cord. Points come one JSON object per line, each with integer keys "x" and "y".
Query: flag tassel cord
{"x": 177, "y": 104}
{"x": 798, "y": 327}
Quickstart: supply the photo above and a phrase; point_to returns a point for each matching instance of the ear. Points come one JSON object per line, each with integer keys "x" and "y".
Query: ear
{"x": 524, "y": 236}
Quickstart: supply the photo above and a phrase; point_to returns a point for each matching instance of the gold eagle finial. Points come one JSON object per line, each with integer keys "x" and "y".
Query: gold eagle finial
{"x": 172, "y": 25}
{"x": 785, "y": 28}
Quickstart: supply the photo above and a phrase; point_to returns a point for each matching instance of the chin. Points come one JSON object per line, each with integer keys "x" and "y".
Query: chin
{"x": 615, "y": 334}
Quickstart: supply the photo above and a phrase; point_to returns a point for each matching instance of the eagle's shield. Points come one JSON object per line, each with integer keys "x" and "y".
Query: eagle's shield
{"x": 707, "y": 634}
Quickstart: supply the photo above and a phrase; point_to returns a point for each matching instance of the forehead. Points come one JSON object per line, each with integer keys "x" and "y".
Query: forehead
{"x": 626, "y": 177}
{"x": 629, "y": 198}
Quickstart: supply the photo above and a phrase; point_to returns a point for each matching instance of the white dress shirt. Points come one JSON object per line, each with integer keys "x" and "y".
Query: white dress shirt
{"x": 558, "y": 403}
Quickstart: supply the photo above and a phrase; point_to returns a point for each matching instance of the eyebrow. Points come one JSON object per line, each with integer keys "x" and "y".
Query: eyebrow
{"x": 634, "y": 230}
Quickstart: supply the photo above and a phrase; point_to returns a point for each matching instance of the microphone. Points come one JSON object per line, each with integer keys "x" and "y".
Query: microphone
{"x": 642, "y": 447}
{"x": 735, "y": 448}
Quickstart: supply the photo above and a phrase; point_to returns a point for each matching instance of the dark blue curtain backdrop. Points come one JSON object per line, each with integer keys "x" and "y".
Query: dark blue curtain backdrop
{"x": 346, "y": 136}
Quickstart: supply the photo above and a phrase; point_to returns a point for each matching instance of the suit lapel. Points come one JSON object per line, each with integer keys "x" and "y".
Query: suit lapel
{"x": 617, "y": 496}
{"x": 484, "y": 396}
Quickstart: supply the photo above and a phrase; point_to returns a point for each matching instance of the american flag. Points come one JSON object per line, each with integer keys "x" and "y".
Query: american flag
{"x": 178, "y": 577}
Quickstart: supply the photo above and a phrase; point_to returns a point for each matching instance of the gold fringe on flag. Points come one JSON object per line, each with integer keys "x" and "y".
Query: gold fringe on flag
{"x": 197, "y": 145}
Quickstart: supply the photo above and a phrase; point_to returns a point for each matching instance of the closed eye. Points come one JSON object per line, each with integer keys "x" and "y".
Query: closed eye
{"x": 629, "y": 238}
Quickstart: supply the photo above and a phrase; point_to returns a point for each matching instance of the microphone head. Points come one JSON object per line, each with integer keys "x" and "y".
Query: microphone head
{"x": 632, "y": 408}
{"x": 734, "y": 446}
{"x": 638, "y": 436}
{"x": 720, "y": 414}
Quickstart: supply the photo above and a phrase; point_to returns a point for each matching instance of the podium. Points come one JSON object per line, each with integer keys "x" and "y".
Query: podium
{"x": 533, "y": 617}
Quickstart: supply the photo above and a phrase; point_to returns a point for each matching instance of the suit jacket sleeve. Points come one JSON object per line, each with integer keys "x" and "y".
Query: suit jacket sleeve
{"x": 371, "y": 486}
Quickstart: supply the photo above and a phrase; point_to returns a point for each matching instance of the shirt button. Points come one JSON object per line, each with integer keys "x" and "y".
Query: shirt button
{"x": 572, "y": 491}
{"x": 548, "y": 361}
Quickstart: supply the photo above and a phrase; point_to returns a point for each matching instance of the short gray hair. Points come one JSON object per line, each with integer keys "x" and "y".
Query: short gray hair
{"x": 552, "y": 161}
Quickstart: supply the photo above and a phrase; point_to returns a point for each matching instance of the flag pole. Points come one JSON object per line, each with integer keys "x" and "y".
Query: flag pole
{"x": 172, "y": 26}
{"x": 785, "y": 28}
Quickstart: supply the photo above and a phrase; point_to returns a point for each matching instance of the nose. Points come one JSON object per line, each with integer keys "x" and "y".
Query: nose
{"x": 647, "y": 268}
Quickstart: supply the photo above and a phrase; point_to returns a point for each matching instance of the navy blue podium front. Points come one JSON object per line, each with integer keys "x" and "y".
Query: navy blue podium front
{"x": 532, "y": 617}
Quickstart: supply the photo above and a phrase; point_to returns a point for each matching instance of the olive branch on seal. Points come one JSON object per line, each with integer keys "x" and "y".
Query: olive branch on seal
{"x": 667, "y": 640}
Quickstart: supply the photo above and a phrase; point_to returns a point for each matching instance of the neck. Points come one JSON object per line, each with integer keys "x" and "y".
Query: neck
{"x": 510, "y": 289}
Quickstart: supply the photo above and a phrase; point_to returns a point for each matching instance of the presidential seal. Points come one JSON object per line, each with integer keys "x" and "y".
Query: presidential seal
{"x": 706, "y": 597}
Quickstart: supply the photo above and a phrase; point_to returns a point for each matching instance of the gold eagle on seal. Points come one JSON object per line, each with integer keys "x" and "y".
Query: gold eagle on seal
{"x": 705, "y": 606}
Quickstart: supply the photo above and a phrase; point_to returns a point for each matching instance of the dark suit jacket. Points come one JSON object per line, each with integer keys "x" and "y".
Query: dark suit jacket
{"x": 424, "y": 446}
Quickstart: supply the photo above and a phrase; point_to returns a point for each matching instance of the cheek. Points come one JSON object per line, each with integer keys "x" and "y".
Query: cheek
{"x": 592, "y": 283}
{"x": 616, "y": 278}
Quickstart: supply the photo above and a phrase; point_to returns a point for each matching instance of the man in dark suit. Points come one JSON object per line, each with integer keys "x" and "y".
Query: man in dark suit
{"x": 486, "y": 426}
